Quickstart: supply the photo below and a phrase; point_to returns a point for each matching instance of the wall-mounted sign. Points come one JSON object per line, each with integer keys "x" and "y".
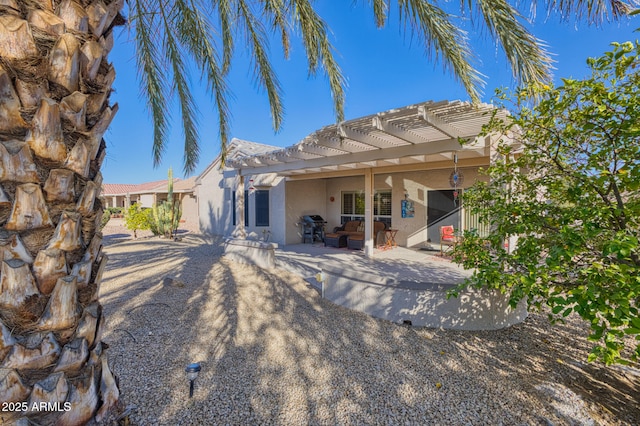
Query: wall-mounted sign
{"x": 407, "y": 208}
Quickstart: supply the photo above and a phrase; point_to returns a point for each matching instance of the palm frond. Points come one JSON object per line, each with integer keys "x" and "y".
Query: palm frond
{"x": 441, "y": 37}
{"x": 262, "y": 69}
{"x": 174, "y": 58}
{"x": 153, "y": 82}
{"x": 320, "y": 51}
{"x": 277, "y": 10}
{"x": 225, "y": 16}
{"x": 380, "y": 11}
{"x": 591, "y": 11}
{"x": 529, "y": 61}
{"x": 195, "y": 34}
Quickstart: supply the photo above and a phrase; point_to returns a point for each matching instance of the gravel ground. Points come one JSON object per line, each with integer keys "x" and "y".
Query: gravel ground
{"x": 273, "y": 352}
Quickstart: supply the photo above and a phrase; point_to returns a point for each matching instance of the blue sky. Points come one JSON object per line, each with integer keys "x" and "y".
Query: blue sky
{"x": 384, "y": 69}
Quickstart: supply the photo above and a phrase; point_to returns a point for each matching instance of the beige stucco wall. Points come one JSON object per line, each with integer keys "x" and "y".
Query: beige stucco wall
{"x": 276, "y": 217}
{"x": 305, "y": 197}
{"x": 214, "y": 210}
{"x": 291, "y": 199}
{"x": 189, "y": 210}
{"x": 411, "y": 231}
{"x": 146, "y": 200}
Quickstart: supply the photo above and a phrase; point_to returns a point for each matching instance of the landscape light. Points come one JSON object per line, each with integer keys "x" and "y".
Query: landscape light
{"x": 192, "y": 371}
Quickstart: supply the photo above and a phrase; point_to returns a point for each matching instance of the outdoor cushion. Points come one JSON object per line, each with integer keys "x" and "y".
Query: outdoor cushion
{"x": 447, "y": 233}
{"x": 447, "y": 237}
{"x": 335, "y": 240}
{"x": 351, "y": 226}
{"x": 355, "y": 228}
{"x": 378, "y": 232}
{"x": 355, "y": 242}
{"x": 378, "y": 226}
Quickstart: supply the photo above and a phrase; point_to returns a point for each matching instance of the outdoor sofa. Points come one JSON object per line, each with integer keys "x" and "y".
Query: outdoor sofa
{"x": 351, "y": 234}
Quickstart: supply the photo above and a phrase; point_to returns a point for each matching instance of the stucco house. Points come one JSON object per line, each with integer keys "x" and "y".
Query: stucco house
{"x": 405, "y": 167}
{"x": 149, "y": 193}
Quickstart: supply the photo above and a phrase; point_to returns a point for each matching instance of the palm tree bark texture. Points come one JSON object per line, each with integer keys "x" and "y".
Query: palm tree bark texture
{"x": 55, "y": 83}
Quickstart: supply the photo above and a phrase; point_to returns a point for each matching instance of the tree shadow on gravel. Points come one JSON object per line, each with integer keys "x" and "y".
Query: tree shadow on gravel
{"x": 149, "y": 289}
{"x": 274, "y": 352}
{"x": 556, "y": 363}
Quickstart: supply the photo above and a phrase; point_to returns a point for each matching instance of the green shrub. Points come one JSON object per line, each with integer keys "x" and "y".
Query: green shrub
{"x": 114, "y": 210}
{"x": 136, "y": 219}
{"x": 576, "y": 210}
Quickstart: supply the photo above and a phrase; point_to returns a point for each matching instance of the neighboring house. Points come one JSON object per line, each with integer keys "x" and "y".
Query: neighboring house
{"x": 405, "y": 167}
{"x": 149, "y": 193}
{"x": 124, "y": 195}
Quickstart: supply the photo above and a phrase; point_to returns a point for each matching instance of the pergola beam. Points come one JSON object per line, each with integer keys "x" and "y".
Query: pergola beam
{"x": 438, "y": 123}
{"x": 343, "y": 145}
{"x": 363, "y": 157}
{"x": 396, "y": 131}
{"x": 365, "y": 138}
{"x": 417, "y": 133}
{"x": 321, "y": 150}
{"x": 300, "y": 154}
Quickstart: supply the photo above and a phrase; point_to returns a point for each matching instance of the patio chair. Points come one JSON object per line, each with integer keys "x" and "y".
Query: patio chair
{"x": 447, "y": 237}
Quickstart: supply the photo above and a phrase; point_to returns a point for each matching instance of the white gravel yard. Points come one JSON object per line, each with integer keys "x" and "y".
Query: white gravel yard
{"x": 274, "y": 352}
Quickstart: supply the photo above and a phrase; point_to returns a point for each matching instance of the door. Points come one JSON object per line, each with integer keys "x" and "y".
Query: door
{"x": 442, "y": 209}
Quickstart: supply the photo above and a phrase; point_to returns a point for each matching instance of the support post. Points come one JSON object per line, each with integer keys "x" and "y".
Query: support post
{"x": 240, "y": 231}
{"x": 368, "y": 213}
{"x": 463, "y": 216}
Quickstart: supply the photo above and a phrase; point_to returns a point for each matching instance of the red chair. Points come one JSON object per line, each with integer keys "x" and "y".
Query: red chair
{"x": 447, "y": 237}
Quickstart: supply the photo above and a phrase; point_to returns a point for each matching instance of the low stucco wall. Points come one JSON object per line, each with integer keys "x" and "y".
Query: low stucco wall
{"x": 252, "y": 252}
{"x": 424, "y": 304}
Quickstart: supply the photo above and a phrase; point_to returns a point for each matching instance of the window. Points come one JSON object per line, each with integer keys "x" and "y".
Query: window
{"x": 262, "y": 207}
{"x": 353, "y": 206}
{"x": 246, "y": 208}
{"x": 233, "y": 206}
{"x": 382, "y": 203}
{"x": 382, "y": 207}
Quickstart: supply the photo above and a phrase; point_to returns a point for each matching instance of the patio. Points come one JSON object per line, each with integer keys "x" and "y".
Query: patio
{"x": 400, "y": 263}
{"x": 401, "y": 285}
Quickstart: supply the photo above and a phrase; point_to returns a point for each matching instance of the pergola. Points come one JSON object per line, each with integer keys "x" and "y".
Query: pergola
{"x": 412, "y": 135}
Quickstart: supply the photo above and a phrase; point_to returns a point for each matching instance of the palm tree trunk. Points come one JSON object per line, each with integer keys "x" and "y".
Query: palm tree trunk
{"x": 55, "y": 83}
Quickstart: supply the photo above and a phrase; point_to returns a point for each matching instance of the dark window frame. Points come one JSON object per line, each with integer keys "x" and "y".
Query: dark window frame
{"x": 246, "y": 208}
{"x": 261, "y": 206}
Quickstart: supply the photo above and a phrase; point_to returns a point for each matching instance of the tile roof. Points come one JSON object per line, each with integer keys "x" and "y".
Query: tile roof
{"x": 241, "y": 148}
{"x": 117, "y": 188}
{"x": 184, "y": 185}
{"x": 179, "y": 185}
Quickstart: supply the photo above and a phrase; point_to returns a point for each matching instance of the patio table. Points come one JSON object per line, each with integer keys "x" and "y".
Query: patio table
{"x": 390, "y": 239}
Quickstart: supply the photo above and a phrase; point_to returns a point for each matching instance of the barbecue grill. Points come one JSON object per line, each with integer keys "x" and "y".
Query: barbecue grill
{"x": 312, "y": 228}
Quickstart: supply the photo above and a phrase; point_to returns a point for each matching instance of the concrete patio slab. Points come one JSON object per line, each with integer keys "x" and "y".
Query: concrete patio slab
{"x": 401, "y": 285}
{"x": 400, "y": 263}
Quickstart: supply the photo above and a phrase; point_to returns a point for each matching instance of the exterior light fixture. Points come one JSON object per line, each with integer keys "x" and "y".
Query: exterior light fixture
{"x": 192, "y": 371}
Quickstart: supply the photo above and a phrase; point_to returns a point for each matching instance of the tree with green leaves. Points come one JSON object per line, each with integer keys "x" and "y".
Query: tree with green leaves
{"x": 136, "y": 219}
{"x": 56, "y": 83}
{"x": 567, "y": 185}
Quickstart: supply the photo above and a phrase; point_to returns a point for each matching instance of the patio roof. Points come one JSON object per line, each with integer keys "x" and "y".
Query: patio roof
{"x": 414, "y": 134}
